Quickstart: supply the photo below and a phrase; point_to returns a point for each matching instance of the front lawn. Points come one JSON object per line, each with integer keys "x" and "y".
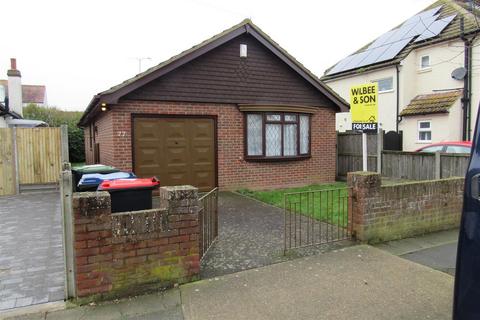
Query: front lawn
{"x": 326, "y": 202}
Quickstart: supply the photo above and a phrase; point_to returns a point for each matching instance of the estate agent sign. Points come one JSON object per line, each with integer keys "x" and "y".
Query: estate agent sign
{"x": 364, "y": 107}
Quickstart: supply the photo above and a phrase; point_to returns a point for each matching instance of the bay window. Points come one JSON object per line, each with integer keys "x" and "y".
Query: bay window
{"x": 277, "y": 135}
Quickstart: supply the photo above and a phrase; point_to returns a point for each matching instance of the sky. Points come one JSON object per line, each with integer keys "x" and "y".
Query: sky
{"x": 80, "y": 48}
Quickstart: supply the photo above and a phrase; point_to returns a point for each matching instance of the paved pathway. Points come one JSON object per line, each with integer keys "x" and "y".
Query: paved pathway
{"x": 31, "y": 252}
{"x": 358, "y": 282}
{"x": 436, "y": 250}
{"x": 250, "y": 236}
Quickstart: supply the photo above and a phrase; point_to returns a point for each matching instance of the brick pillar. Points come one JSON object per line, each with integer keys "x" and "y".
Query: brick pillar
{"x": 183, "y": 214}
{"x": 362, "y": 187}
{"x": 92, "y": 242}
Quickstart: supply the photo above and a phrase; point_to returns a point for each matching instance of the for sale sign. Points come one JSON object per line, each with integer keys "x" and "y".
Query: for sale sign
{"x": 364, "y": 107}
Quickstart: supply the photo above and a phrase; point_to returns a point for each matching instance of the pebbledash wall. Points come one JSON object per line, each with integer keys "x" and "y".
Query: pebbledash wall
{"x": 233, "y": 170}
{"x": 382, "y": 213}
{"x": 129, "y": 253}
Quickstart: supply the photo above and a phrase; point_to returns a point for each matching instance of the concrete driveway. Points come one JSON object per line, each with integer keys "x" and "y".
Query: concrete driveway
{"x": 31, "y": 250}
{"x": 250, "y": 236}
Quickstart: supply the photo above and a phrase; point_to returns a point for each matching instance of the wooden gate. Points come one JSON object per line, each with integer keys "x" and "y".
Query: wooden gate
{"x": 7, "y": 163}
{"x": 30, "y": 156}
{"x": 208, "y": 220}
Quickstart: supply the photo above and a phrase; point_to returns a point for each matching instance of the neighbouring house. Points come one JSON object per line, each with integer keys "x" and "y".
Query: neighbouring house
{"x": 426, "y": 74}
{"x": 14, "y": 96}
{"x": 234, "y": 111}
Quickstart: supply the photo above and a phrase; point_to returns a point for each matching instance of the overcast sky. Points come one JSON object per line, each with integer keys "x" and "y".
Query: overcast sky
{"x": 79, "y": 48}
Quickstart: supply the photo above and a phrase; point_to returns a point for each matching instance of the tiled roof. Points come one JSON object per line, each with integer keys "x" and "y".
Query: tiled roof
{"x": 30, "y": 93}
{"x": 244, "y": 25}
{"x": 431, "y": 103}
{"x": 449, "y": 7}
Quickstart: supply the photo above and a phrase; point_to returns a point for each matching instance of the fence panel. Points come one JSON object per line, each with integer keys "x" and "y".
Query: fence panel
{"x": 7, "y": 163}
{"x": 408, "y": 165}
{"x": 39, "y": 153}
{"x": 454, "y": 165}
{"x": 349, "y": 152}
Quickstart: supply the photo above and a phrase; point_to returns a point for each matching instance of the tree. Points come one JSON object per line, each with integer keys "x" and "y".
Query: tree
{"x": 55, "y": 118}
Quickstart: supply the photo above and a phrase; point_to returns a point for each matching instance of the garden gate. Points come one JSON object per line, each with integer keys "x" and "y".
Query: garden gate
{"x": 208, "y": 217}
{"x": 316, "y": 217}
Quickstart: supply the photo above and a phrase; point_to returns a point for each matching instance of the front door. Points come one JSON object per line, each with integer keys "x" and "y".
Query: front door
{"x": 177, "y": 150}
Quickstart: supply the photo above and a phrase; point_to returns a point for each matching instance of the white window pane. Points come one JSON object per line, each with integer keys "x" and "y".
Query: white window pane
{"x": 273, "y": 117}
{"x": 424, "y": 125}
{"x": 304, "y": 134}
{"x": 425, "y": 62}
{"x": 254, "y": 134}
{"x": 385, "y": 84}
{"x": 290, "y": 117}
{"x": 425, "y": 136}
{"x": 290, "y": 140}
{"x": 273, "y": 140}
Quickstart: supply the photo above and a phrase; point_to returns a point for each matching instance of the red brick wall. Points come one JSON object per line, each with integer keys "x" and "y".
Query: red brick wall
{"x": 104, "y": 136}
{"x": 233, "y": 170}
{"x": 382, "y": 213}
{"x": 130, "y": 253}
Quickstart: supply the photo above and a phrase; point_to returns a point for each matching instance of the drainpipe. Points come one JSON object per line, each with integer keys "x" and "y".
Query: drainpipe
{"x": 398, "y": 119}
{"x": 467, "y": 84}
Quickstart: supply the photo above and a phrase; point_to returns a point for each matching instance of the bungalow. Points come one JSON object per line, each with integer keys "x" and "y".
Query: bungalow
{"x": 234, "y": 111}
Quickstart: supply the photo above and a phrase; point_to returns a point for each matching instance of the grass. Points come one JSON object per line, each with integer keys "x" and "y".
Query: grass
{"x": 325, "y": 202}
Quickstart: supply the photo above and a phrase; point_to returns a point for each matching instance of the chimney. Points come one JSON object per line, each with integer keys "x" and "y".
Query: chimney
{"x": 15, "y": 101}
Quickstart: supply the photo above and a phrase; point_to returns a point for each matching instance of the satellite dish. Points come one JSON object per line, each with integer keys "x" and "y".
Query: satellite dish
{"x": 459, "y": 73}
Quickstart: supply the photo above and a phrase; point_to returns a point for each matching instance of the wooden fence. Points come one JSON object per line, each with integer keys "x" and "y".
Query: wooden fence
{"x": 397, "y": 164}
{"x": 30, "y": 157}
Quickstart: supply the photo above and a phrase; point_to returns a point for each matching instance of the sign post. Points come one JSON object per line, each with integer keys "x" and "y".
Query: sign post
{"x": 364, "y": 109}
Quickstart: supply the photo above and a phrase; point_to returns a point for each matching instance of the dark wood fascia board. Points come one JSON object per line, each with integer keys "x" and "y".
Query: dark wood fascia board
{"x": 299, "y": 69}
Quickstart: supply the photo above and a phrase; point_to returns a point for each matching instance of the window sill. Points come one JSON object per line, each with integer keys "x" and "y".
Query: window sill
{"x": 386, "y": 91}
{"x": 276, "y": 159}
{"x": 424, "y": 141}
{"x": 424, "y": 70}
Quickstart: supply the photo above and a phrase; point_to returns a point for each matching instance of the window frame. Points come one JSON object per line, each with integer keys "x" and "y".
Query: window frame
{"x": 421, "y": 62}
{"x": 384, "y": 91}
{"x": 424, "y": 130}
{"x": 282, "y": 122}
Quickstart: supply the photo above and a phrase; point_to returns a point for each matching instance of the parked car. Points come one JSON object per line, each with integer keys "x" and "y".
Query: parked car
{"x": 448, "y": 147}
{"x": 466, "y": 304}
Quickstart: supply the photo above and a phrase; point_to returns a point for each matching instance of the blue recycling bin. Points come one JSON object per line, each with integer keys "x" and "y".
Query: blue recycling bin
{"x": 91, "y": 181}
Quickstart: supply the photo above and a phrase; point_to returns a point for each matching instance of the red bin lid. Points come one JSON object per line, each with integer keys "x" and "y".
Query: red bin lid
{"x": 129, "y": 184}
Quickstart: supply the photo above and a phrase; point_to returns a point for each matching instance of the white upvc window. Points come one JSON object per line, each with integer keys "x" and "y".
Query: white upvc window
{"x": 385, "y": 84}
{"x": 425, "y": 131}
{"x": 425, "y": 62}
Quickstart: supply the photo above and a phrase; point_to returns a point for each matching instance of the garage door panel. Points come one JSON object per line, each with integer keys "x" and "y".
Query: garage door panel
{"x": 176, "y": 150}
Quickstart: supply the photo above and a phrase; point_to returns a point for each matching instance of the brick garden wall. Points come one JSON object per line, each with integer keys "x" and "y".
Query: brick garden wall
{"x": 129, "y": 253}
{"x": 233, "y": 171}
{"x": 382, "y": 213}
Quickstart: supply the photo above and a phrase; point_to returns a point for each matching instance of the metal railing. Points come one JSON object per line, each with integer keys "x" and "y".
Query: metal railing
{"x": 208, "y": 220}
{"x": 316, "y": 217}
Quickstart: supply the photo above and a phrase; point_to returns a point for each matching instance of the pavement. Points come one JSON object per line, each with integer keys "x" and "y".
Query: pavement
{"x": 31, "y": 250}
{"x": 435, "y": 250}
{"x": 359, "y": 282}
{"x": 250, "y": 236}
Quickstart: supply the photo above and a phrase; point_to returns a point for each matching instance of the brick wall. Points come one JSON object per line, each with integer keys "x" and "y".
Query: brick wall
{"x": 382, "y": 213}
{"x": 103, "y": 136}
{"x": 233, "y": 170}
{"x": 130, "y": 253}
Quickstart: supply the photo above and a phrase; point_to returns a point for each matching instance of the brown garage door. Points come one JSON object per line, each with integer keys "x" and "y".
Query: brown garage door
{"x": 178, "y": 151}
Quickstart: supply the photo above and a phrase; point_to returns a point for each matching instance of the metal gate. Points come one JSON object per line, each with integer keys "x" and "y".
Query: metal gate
{"x": 316, "y": 217}
{"x": 208, "y": 220}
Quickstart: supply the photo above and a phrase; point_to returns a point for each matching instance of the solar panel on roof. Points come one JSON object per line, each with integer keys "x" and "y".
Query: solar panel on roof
{"x": 435, "y": 28}
{"x": 424, "y": 25}
{"x": 393, "y": 50}
{"x": 423, "y": 15}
